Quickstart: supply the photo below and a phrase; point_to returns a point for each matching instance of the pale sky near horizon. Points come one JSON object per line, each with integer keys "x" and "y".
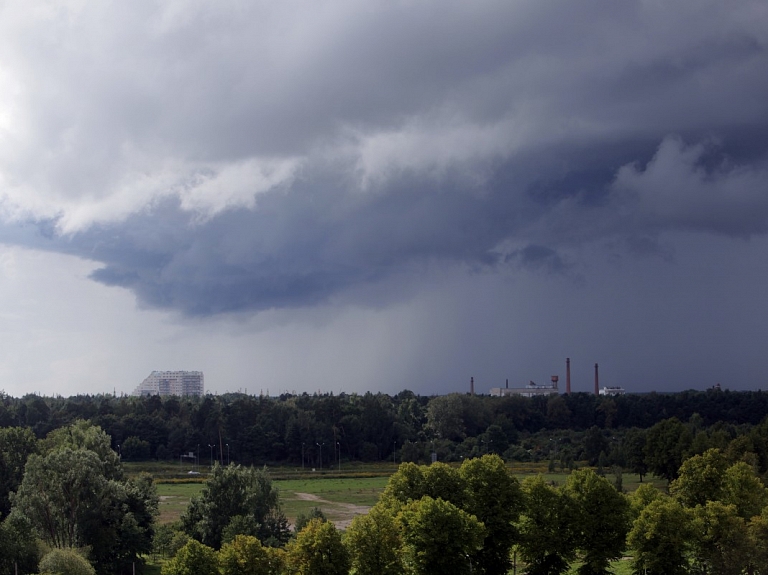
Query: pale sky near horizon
{"x": 343, "y": 196}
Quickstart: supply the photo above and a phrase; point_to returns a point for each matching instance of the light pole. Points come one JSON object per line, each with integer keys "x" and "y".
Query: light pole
{"x": 227, "y": 453}
{"x": 394, "y": 452}
{"x": 302, "y": 456}
{"x": 339, "y": 446}
{"x": 198, "y": 458}
{"x": 211, "y": 446}
{"x": 119, "y": 452}
{"x": 320, "y": 445}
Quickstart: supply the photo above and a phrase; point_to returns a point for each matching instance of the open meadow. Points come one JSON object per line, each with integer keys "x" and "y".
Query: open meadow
{"x": 340, "y": 495}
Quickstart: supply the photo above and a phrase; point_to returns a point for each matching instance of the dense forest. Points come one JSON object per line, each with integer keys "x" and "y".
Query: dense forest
{"x": 65, "y": 499}
{"x": 321, "y": 430}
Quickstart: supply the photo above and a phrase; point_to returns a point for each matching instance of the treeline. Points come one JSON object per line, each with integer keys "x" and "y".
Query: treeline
{"x": 480, "y": 519}
{"x": 318, "y": 430}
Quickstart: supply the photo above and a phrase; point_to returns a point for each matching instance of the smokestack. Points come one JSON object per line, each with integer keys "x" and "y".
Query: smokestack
{"x": 597, "y": 385}
{"x": 472, "y": 386}
{"x": 507, "y": 383}
{"x": 568, "y": 375}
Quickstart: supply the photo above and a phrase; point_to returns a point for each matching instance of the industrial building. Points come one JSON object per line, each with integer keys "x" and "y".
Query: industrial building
{"x": 172, "y": 383}
{"x": 530, "y": 390}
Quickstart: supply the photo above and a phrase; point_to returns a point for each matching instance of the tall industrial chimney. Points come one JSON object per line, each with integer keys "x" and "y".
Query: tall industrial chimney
{"x": 597, "y": 385}
{"x": 507, "y": 383}
{"x": 472, "y": 386}
{"x": 568, "y": 375}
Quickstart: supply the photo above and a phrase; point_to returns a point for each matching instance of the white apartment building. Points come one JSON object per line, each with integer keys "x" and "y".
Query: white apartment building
{"x": 172, "y": 383}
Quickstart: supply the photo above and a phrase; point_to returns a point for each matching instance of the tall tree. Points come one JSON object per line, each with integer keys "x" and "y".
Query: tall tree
{"x": 236, "y": 494}
{"x": 547, "y": 528}
{"x": 245, "y": 556}
{"x": 722, "y": 542}
{"x": 317, "y": 550}
{"x": 375, "y": 543}
{"x": 666, "y": 444}
{"x": 603, "y": 520}
{"x": 439, "y": 537}
{"x": 192, "y": 559}
{"x": 661, "y": 538}
{"x": 16, "y": 445}
{"x": 493, "y": 495}
{"x": 74, "y": 498}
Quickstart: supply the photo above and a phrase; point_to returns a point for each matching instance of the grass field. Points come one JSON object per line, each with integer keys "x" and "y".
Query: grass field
{"x": 340, "y": 495}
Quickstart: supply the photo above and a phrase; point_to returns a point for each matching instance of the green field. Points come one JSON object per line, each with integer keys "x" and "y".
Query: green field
{"x": 340, "y": 495}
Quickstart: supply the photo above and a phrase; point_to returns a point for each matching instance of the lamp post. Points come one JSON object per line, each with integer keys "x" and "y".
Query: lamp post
{"x": 320, "y": 445}
{"x": 302, "y": 456}
{"x": 227, "y": 453}
{"x": 197, "y": 466}
{"x": 338, "y": 445}
{"x": 211, "y": 446}
{"x": 394, "y": 452}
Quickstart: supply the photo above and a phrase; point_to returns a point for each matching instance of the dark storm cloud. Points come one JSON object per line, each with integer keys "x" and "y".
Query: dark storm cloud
{"x": 256, "y": 156}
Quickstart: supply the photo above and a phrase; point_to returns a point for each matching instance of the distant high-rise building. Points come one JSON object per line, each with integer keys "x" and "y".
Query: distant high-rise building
{"x": 172, "y": 383}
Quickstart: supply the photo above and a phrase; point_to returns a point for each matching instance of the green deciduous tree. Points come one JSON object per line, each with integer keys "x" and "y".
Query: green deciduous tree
{"x": 75, "y": 498}
{"x": 375, "y": 543}
{"x": 666, "y": 444}
{"x": 700, "y": 479}
{"x": 303, "y": 518}
{"x": 439, "y": 537}
{"x": 547, "y": 528}
{"x": 721, "y": 542}
{"x": 16, "y": 445}
{"x": 661, "y": 537}
{"x": 85, "y": 435}
{"x": 65, "y": 562}
{"x": 245, "y": 556}
{"x": 603, "y": 520}
{"x": 494, "y": 496}
{"x": 192, "y": 559}
{"x": 240, "y": 494}
{"x": 317, "y": 550}
{"x": 744, "y": 490}
{"x": 758, "y": 538}
{"x": 18, "y": 546}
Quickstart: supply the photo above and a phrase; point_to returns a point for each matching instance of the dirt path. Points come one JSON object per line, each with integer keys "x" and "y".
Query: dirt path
{"x": 343, "y": 513}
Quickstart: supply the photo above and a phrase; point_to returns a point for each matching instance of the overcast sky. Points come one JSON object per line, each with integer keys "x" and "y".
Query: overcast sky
{"x": 383, "y": 195}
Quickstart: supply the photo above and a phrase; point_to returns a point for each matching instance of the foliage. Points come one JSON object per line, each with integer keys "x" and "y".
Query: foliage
{"x": 192, "y": 559}
{"x": 493, "y": 495}
{"x": 18, "y": 546}
{"x": 74, "y": 498}
{"x": 317, "y": 550}
{"x": 661, "y": 538}
{"x": 65, "y": 562}
{"x": 439, "y": 537}
{"x": 244, "y": 556}
{"x": 303, "y": 518}
{"x": 16, "y": 445}
{"x": 700, "y": 479}
{"x": 84, "y": 435}
{"x": 375, "y": 543}
{"x": 721, "y": 542}
{"x": 241, "y": 494}
{"x": 547, "y": 528}
{"x": 665, "y": 446}
{"x": 602, "y": 520}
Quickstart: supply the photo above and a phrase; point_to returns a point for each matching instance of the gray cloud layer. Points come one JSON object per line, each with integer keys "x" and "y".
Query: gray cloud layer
{"x": 256, "y": 155}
